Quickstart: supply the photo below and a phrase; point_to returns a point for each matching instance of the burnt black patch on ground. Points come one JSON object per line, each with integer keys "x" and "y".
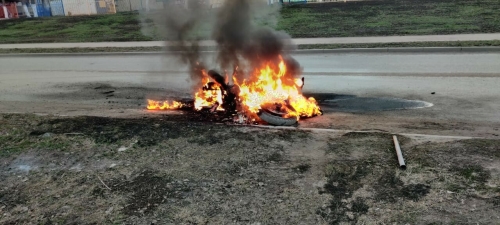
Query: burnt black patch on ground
{"x": 473, "y": 173}
{"x": 147, "y": 131}
{"x": 386, "y": 187}
{"x": 149, "y": 189}
{"x": 415, "y": 191}
{"x": 495, "y": 201}
{"x": 390, "y": 188}
{"x": 366, "y": 161}
{"x": 10, "y": 197}
{"x": 302, "y": 168}
{"x": 343, "y": 180}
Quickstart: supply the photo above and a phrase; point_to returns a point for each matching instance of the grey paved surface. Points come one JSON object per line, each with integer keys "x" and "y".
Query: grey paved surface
{"x": 466, "y": 85}
{"x": 299, "y": 41}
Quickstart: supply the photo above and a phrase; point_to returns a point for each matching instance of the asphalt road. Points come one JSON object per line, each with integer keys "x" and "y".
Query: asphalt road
{"x": 466, "y": 85}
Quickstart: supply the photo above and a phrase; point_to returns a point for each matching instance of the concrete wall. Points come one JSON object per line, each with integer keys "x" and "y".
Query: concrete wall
{"x": 132, "y": 5}
{"x": 79, "y": 7}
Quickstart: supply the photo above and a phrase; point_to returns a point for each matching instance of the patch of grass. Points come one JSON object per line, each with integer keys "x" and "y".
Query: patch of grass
{"x": 16, "y": 144}
{"x": 357, "y": 18}
{"x": 391, "y": 17}
{"x": 96, "y": 28}
{"x": 485, "y": 147}
{"x": 472, "y": 173}
{"x": 15, "y": 136}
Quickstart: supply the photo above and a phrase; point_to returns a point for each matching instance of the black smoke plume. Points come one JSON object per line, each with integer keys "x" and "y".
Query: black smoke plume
{"x": 241, "y": 45}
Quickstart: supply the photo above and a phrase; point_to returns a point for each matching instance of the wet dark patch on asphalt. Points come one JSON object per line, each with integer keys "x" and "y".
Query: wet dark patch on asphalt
{"x": 351, "y": 103}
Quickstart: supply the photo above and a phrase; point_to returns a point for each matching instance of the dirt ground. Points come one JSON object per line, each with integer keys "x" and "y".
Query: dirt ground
{"x": 169, "y": 169}
{"x": 91, "y": 154}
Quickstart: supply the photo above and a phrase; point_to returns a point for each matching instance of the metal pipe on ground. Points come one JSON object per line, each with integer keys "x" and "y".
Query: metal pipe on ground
{"x": 401, "y": 160}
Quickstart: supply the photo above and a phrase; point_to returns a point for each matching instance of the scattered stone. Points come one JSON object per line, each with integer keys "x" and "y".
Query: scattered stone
{"x": 109, "y": 210}
{"x": 47, "y": 135}
{"x": 350, "y": 215}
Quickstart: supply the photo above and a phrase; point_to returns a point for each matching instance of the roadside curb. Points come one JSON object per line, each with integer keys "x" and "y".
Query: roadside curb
{"x": 402, "y": 49}
{"x": 300, "y": 51}
{"x": 85, "y": 54}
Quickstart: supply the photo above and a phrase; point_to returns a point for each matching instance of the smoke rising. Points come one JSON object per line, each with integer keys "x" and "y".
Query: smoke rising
{"x": 240, "y": 42}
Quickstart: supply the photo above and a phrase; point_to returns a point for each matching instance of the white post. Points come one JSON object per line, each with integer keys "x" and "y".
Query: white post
{"x": 4, "y": 8}
{"x": 399, "y": 153}
{"x": 26, "y": 11}
{"x": 147, "y": 5}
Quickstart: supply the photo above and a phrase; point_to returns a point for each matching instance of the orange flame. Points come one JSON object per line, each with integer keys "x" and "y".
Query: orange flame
{"x": 269, "y": 87}
{"x": 273, "y": 87}
{"x": 163, "y": 105}
{"x": 208, "y": 95}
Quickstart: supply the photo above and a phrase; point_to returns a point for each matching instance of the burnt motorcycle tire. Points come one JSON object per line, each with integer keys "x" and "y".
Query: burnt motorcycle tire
{"x": 276, "y": 120}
